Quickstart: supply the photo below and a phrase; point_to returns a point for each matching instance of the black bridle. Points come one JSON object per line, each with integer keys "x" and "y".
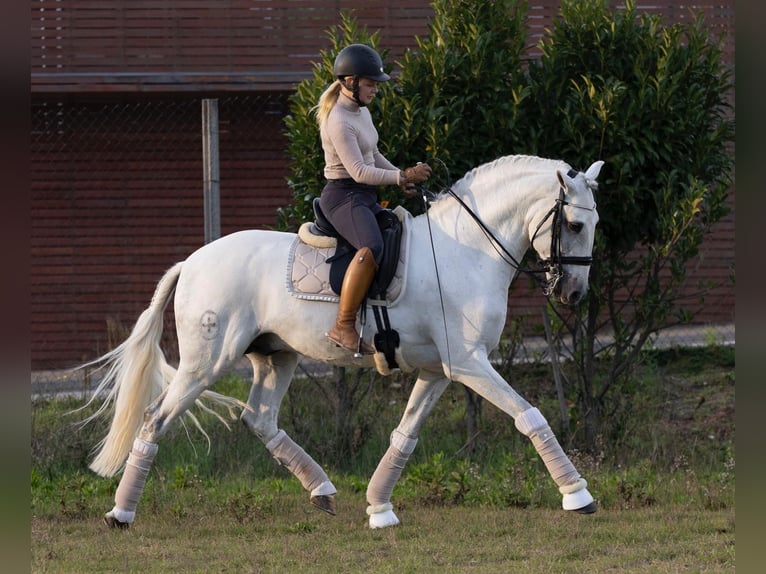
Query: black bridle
{"x": 553, "y": 264}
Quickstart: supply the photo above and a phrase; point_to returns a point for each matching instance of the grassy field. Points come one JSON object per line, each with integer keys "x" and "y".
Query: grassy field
{"x": 293, "y": 537}
{"x": 665, "y": 488}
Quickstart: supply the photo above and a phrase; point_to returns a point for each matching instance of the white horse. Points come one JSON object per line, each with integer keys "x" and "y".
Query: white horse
{"x": 231, "y": 300}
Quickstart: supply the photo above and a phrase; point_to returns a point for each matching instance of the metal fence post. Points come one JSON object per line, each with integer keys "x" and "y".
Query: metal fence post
{"x": 211, "y": 170}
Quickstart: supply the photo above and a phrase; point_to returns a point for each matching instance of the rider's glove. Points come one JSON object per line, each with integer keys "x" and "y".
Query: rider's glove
{"x": 418, "y": 173}
{"x": 412, "y": 175}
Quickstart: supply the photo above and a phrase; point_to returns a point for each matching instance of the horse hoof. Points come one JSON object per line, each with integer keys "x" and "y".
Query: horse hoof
{"x": 112, "y": 522}
{"x": 324, "y": 502}
{"x": 588, "y": 509}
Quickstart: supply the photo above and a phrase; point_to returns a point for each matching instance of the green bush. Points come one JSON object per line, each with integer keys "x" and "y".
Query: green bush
{"x": 460, "y": 90}
{"x": 653, "y": 102}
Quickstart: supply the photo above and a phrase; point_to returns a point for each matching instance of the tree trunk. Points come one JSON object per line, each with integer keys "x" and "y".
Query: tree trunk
{"x": 472, "y": 415}
{"x": 589, "y": 403}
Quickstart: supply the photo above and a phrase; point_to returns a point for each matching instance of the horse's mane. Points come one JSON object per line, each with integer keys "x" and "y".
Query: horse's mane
{"x": 514, "y": 162}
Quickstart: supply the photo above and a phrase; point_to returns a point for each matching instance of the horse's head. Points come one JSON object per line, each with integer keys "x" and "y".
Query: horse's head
{"x": 563, "y": 238}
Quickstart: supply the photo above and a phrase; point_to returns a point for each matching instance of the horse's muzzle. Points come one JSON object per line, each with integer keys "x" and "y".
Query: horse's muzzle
{"x": 570, "y": 290}
{"x": 572, "y": 298}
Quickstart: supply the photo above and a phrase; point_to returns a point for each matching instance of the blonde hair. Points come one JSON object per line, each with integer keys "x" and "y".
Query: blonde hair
{"x": 326, "y": 102}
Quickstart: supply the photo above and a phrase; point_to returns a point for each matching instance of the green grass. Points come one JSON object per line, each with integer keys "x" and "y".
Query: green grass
{"x": 290, "y": 536}
{"x": 665, "y": 488}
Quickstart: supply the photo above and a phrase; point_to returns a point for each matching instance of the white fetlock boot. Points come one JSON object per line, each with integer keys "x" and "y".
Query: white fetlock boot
{"x": 577, "y": 498}
{"x": 381, "y": 486}
{"x": 532, "y": 423}
{"x": 382, "y": 516}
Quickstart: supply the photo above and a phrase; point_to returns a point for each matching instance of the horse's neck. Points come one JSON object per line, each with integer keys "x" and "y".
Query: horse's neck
{"x": 503, "y": 199}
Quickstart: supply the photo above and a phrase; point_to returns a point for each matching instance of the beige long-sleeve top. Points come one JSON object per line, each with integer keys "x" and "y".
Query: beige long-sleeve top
{"x": 350, "y": 144}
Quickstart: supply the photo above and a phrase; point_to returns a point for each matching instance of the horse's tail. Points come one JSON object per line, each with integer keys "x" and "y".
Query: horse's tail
{"x": 137, "y": 373}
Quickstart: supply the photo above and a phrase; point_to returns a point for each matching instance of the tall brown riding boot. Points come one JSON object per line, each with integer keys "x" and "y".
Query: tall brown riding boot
{"x": 356, "y": 283}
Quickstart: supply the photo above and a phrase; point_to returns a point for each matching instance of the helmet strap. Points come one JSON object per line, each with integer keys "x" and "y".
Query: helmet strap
{"x": 354, "y": 89}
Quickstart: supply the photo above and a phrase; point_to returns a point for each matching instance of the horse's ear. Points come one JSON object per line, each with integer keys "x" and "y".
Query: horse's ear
{"x": 594, "y": 170}
{"x": 565, "y": 180}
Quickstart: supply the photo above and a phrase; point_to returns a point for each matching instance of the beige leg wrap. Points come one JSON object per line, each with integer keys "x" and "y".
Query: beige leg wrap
{"x": 389, "y": 471}
{"x": 133, "y": 480}
{"x": 297, "y": 461}
{"x": 533, "y": 424}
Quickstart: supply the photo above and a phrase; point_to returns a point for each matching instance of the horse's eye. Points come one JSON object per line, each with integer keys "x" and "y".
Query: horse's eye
{"x": 574, "y": 226}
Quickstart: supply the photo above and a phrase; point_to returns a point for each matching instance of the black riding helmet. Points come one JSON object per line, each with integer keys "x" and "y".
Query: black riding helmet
{"x": 358, "y": 60}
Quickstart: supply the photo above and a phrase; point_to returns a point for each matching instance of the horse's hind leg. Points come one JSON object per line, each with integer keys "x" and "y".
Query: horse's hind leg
{"x": 428, "y": 388}
{"x": 175, "y": 400}
{"x": 272, "y": 375}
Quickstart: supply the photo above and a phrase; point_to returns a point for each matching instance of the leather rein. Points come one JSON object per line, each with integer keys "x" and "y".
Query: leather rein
{"x": 553, "y": 264}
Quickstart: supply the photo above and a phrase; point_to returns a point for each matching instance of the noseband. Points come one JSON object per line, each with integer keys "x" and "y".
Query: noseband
{"x": 553, "y": 264}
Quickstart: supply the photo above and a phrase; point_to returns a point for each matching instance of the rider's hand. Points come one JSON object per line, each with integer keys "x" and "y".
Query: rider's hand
{"x": 418, "y": 173}
{"x": 412, "y": 175}
{"x": 409, "y": 189}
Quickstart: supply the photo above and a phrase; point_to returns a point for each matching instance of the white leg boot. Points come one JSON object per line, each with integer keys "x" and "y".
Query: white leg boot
{"x": 380, "y": 509}
{"x": 572, "y": 486}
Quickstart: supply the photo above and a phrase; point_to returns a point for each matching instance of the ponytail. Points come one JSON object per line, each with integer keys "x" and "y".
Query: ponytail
{"x": 326, "y": 102}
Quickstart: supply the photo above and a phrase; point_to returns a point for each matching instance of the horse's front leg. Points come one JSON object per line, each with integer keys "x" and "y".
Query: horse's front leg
{"x": 428, "y": 388}
{"x": 479, "y": 375}
{"x": 272, "y": 375}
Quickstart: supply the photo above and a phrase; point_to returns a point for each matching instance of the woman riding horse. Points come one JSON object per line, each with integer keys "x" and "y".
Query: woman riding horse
{"x": 354, "y": 167}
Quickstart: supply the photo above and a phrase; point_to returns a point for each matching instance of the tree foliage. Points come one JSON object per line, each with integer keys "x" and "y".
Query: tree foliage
{"x": 460, "y": 91}
{"x": 652, "y": 102}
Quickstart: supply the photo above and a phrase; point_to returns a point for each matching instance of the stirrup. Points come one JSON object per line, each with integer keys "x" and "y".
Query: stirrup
{"x": 363, "y": 348}
{"x": 360, "y": 349}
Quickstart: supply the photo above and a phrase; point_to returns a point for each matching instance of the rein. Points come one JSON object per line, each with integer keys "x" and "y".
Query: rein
{"x": 553, "y": 264}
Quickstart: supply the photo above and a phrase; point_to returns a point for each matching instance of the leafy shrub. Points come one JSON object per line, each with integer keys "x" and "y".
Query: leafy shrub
{"x": 653, "y": 102}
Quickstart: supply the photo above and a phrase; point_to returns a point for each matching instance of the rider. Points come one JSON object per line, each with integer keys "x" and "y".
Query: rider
{"x": 354, "y": 168}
